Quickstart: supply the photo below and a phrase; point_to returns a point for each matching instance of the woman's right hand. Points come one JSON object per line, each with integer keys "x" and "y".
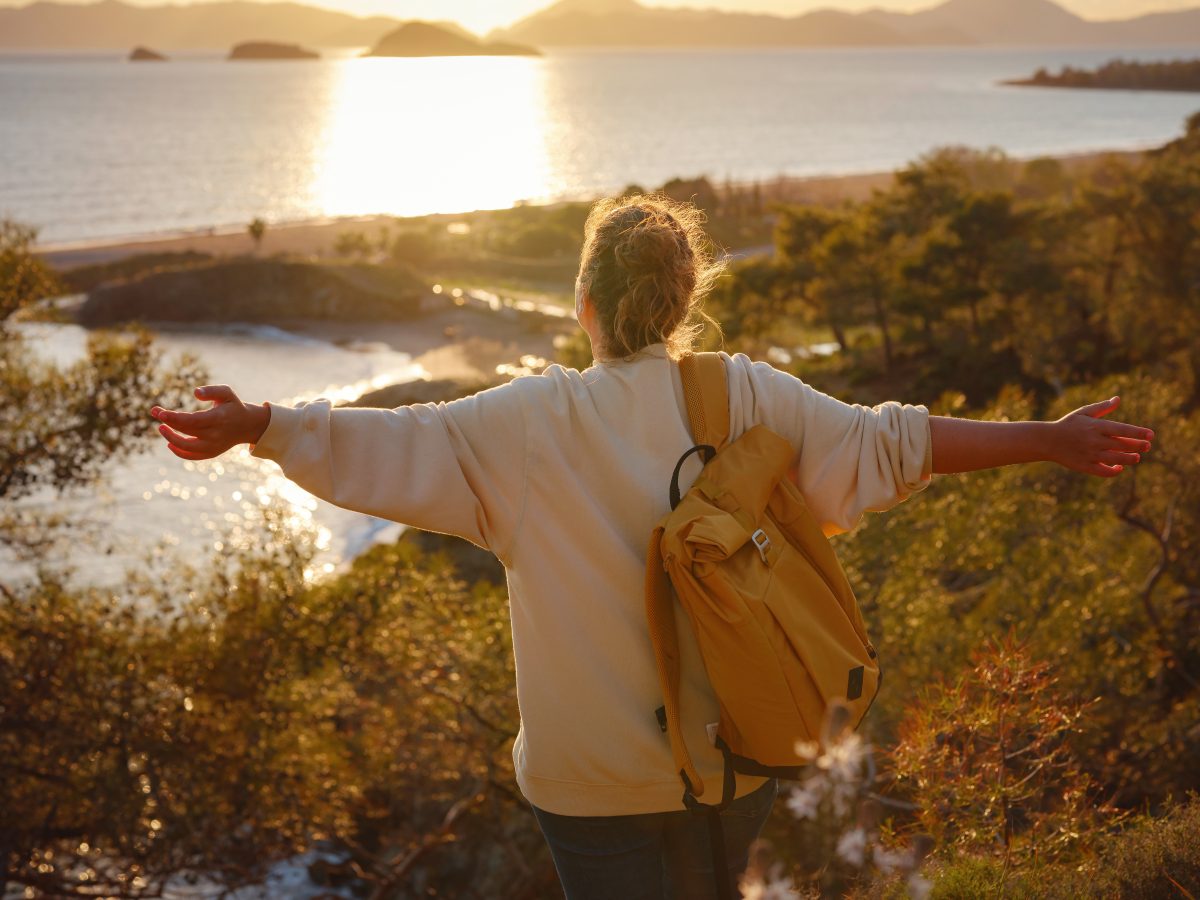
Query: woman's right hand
{"x": 208, "y": 433}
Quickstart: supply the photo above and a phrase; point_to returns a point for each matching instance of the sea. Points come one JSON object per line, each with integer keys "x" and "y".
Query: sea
{"x": 93, "y": 147}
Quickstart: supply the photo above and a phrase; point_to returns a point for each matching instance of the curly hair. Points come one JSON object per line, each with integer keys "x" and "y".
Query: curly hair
{"x": 647, "y": 266}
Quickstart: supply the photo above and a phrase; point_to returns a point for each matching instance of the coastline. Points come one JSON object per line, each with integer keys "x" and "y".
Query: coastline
{"x": 316, "y": 236}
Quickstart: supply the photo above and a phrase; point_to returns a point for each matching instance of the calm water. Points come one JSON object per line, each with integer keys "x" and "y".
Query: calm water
{"x": 93, "y": 147}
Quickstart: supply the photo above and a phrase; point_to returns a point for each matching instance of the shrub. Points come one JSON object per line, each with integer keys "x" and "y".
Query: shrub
{"x": 987, "y": 760}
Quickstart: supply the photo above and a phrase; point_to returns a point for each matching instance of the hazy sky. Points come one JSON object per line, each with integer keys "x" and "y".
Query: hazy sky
{"x": 481, "y": 15}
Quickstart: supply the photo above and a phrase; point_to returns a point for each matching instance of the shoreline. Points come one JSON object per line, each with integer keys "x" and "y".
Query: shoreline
{"x": 315, "y": 236}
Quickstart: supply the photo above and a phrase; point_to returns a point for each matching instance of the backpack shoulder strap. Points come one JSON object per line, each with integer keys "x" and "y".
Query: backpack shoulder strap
{"x": 706, "y": 393}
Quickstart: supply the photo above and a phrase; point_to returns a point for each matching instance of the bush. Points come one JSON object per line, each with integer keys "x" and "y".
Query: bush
{"x": 218, "y": 723}
{"x": 987, "y": 760}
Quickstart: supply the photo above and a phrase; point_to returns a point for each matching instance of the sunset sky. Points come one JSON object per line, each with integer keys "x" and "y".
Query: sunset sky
{"x": 482, "y": 15}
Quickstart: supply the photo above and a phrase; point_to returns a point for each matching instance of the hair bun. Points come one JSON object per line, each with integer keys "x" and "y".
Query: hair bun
{"x": 646, "y": 266}
{"x": 652, "y": 242}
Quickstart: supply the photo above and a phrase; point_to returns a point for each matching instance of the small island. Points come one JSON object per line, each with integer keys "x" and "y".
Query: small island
{"x": 270, "y": 50}
{"x": 145, "y": 54}
{"x": 1122, "y": 75}
{"x": 424, "y": 39}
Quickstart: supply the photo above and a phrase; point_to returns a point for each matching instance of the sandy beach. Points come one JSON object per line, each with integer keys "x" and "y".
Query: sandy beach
{"x": 317, "y": 237}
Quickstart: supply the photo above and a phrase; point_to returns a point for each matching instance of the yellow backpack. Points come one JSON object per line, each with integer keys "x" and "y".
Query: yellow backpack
{"x": 775, "y": 619}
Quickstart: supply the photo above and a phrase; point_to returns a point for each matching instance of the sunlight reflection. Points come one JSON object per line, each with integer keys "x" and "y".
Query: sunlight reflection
{"x": 480, "y": 144}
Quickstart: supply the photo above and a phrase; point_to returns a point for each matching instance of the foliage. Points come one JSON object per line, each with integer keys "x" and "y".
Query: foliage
{"x": 82, "y": 279}
{"x": 61, "y": 426}
{"x": 353, "y": 243}
{"x": 413, "y": 247}
{"x": 257, "y": 229}
{"x": 221, "y": 722}
{"x": 1120, "y": 74}
{"x": 1097, "y": 578}
{"x": 24, "y": 278}
{"x": 540, "y": 240}
{"x": 697, "y": 191}
{"x": 1151, "y": 858}
{"x": 987, "y": 760}
{"x": 974, "y": 271}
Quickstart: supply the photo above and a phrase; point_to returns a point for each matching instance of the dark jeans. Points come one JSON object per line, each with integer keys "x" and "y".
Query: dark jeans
{"x": 654, "y": 856}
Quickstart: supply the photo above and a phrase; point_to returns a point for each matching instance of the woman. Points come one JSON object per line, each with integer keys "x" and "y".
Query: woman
{"x": 563, "y": 476}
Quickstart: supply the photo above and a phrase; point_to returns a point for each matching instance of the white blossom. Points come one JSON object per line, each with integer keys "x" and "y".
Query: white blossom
{"x": 889, "y": 861}
{"x": 774, "y": 887}
{"x": 852, "y": 846}
{"x": 804, "y": 802}
{"x": 844, "y": 760}
{"x": 808, "y": 750}
{"x": 919, "y": 886}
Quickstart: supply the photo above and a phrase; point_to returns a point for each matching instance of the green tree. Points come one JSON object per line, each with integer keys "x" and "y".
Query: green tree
{"x": 60, "y": 427}
{"x": 854, "y": 276}
{"x": 257, "y": 229}
{"x": 24, "y": 277}
{"x": 353, "y": 244}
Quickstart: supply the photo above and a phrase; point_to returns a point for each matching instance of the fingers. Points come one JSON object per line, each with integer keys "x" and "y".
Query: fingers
{"x": 1120, "y": 429}
{"x": 190, "y": 454}
{"x": 218, "y": 393}
{"x": 1102, "y": 470}
{"x": 1118, "y": 458}
{"x": 1131, "y": 445}
{"x": 191, "y": 422}
{"x": 1103, "y": 408}
{"x": 183, "y": 441}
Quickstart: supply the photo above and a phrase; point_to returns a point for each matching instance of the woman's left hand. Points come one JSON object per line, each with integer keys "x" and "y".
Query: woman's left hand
{"x": 1087, "y": 442}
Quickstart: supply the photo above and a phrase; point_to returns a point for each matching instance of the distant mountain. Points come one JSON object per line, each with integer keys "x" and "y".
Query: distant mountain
{"x": 626, "y": 23}
{"x": 112, "y": 24}
{"x": 425, "y": 39}
{"x": 610, "y": 23}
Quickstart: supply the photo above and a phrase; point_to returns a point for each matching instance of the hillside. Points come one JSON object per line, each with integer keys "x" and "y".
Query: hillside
{"x": 246, "y": 289}
{"x": 601, "y": 23}
{"x": 1119, "y": 75}
{"x": 117, "y": 25}
{"x": 426, "y": 39}
{"x": 113, "y": 24}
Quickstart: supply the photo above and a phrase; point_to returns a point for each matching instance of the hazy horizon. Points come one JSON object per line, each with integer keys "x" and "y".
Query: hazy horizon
{"x": 481, "y": 16}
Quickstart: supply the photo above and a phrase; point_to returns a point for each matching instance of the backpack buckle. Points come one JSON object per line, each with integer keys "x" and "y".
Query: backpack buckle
{"x": 762, "y": 542}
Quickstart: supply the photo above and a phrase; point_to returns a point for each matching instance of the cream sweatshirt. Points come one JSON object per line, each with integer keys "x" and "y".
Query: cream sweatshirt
{"x": 563, "y": 476}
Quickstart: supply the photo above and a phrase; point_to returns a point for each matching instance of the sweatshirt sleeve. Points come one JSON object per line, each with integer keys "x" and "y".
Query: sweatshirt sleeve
{"x": 455, "y": 468}
{"x": 850, "y": 458}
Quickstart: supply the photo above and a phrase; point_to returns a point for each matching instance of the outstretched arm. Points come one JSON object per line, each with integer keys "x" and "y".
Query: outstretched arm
{"x": 1082, "y": 440}
{"x": 456, "y": 468}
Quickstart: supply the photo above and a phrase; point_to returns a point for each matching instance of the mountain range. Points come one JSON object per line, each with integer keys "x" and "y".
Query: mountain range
{"x": 612, "y": 23}
{"x": 113, "y": 24}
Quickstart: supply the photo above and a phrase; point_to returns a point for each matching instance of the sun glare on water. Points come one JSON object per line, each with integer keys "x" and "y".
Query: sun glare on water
{"x": 405, "y": 136}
